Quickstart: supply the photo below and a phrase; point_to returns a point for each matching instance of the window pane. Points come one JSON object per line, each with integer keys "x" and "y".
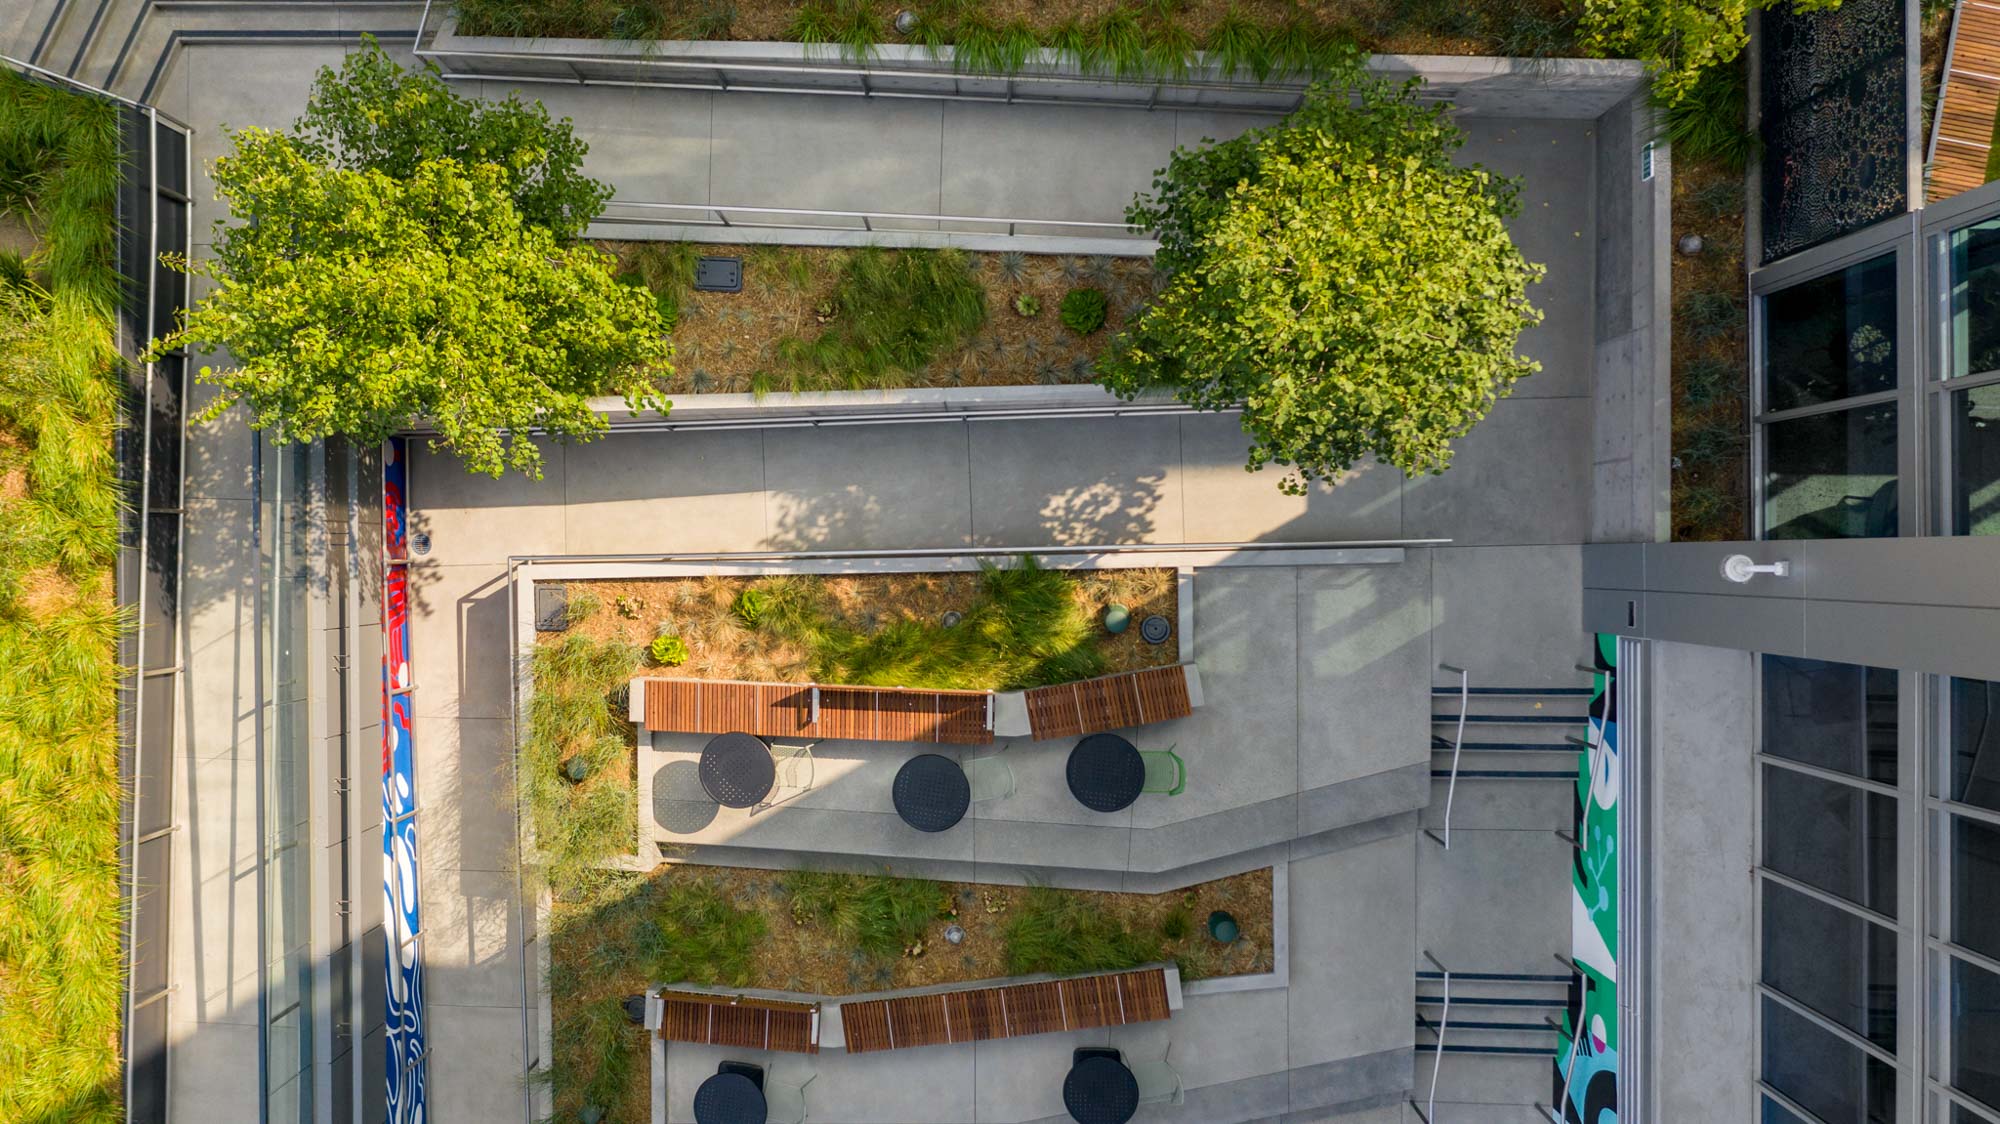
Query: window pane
{"x": 1775, "y": 1113}
{"x": 1975, "y": 461}
{"x": 1831, "y": 836}
{"x": 1975, "y": 1032}
{"x": 1838, "y": 716}
{"x": 1975, "y": 742}
{"x": 1834, "y": 962}
{"x": 1827, "y": 1076}
{"x": 1832, "y": 337}
{"x": 1975, "y": 872}
{"x": 1831, "y": 476}
{"x": 1975, "y": 298}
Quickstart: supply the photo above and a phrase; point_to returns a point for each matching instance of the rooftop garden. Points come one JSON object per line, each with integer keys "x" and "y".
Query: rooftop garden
{"x": 1249, "y": 39}
{"x": 61, "y": 970}
{"x": 832, "y": 934}
{"x": 821, "y": 318}
{"x": 1018, "y": 626}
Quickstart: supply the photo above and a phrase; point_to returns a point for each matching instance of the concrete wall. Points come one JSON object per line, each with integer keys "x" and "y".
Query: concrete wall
{"x": 1631, "y": 420}
{"x": 1699, "y": 748}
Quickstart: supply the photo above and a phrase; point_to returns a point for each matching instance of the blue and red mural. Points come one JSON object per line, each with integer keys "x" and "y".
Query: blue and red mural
{"x": 1586, "y": 1064}
{"x": 402, "y": 920}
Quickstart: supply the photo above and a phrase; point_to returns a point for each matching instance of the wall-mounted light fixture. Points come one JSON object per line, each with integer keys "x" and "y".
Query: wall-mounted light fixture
{"x": 1739, "y": 568}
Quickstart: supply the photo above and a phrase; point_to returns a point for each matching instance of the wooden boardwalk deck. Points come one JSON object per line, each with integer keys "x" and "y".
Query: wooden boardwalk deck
{"x": 1962, "y": 139}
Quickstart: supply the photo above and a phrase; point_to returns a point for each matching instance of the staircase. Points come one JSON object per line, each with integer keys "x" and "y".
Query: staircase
{"x": 1508, "y": 1017}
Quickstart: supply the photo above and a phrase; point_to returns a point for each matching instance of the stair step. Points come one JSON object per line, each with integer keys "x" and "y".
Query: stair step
{"x": 1519, "y": 692}
{"x": 1473, "y": 1024}
{"x": 1514, "y": 719}
{"x": 1531, "y": 1051}
{"x": 1496, "y": 977}
{"x": 1466, "y": 1001}
{"x": 1506, "y": 775}
{"x": 1443, "y": 745}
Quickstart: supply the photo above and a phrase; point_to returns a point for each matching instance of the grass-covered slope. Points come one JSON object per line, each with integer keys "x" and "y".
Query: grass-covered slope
{"x": 60, "y": 963}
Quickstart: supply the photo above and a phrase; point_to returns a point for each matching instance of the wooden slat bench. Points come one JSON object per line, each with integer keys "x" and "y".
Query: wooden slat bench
{"x": 793, "y": 710}
{"x": 740, "y": 1022}
{"x": 1109, "y": 702}
{"x": 1008, "y": 1011}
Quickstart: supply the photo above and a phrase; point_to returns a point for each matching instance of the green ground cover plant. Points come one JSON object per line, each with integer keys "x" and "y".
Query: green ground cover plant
{"x": 1083, "y": 310}
{"x": 1061, "y": 934}
{"x": 1024, "y": 629}
{"x": 61, "y": 965}
{"x": 881, "y": 916}
{"x": 576, "y": 714}
{"x": 891, "y": 313}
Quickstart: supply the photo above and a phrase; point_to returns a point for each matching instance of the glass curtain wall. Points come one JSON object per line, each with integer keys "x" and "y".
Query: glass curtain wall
{"x": 285, "y": 890}
{"x": 1963, "y": 832}
{"x": 1827, "y": 418}
{"x": 1967, "y": 397}
{"x": 1829, "y": 872}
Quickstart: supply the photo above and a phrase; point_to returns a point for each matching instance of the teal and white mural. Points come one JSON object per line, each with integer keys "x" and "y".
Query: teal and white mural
{"x": 1586, "y": 1061}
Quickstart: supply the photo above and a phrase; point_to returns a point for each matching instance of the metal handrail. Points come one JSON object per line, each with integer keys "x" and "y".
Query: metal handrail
{"x": 1457, "y": 746}
{"x": 722, "y": 212}
{"x": 1429, "y": 1107}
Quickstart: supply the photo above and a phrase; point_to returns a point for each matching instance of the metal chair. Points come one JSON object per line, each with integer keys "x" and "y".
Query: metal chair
{"x": 989, "y": 778}
{"x": 1166, "y": 773}
{"x": 795, "y": 772}
{"x": 1159, "y": 1082}
{"x": 744, "y": 1069}
{"x": 1081, "y": 1053}
{"x": 786, "y": 1103}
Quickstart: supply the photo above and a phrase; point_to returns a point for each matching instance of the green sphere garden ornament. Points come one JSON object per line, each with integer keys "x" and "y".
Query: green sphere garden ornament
{"x": 1117, "y": 618}
{"x": 1223, "y": 927}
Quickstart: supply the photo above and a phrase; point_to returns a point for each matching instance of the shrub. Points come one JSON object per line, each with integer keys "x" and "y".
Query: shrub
{"x": 1711, "y": 122}
{"x": 880, "y": 915}
{"x": 669, "y": 651}
{"x": 1678, "y": 41}
{"x": 1028, "y": 305}
{"x": 1083, "y": 310}
{"x": 749, "y": 606}
{"x": 1347, "y": 312}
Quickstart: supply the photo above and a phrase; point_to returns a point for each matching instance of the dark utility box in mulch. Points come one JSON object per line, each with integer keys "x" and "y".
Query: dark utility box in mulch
{"x": 718, "y": 275}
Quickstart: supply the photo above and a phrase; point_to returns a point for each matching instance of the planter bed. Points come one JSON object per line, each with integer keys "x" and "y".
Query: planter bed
{"x": 700, "y": 610}
{"x": 1711, "y": 329}
{"x": 751, "y": 340}
{"x": 786, "y": 931}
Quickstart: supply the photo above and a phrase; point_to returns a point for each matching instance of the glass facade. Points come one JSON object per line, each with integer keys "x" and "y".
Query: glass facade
{"x": 1829, "y": 877}
{"x": 1974, "y": 421}
{"x": 288, "y": 893}
{"x": 1965, "y": 926}
{"x": 1832, "y": 337}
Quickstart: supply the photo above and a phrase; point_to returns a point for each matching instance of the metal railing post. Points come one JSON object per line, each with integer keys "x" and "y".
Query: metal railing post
{"x": 1457, "y": 746}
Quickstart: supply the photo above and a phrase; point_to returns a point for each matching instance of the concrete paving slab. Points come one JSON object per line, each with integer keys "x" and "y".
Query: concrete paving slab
{"x": 1521, "y": 807}
{"x": 1227, "y": 1037}
{"x": 1076, "y": 481}
{"x": 459, "y": 641}
{"x": 1521, "y": 476}
{"x": 839, "y": 154}
{"x": 1498, "y": 901}
{"x": 271, "y": 93}
{"x": 1365, "y": 650}
{"x": 851, "y": 487}
{"x": 1226, "y": 503}
{"x": 465, "y": 782}
{"x": 1556, "y": 162}
{"x": 1014, "y": 843}
{"x": 934, "y": 1086}
{"x": 1020, "y": 1079}
{"x": 1124, "y": 148}
{"x": 218, "y": 614}
{"x": 209, "y": 1062}
{"x": 472, "y": 943}
{"x": 1242, "y": 746}
{"x": 1363, "y": 799}
{"x": 1192, "y": 127}
{"x": 1362, "y": 902}
{"x": 221, "y": 453}
{"x": 1230, "y": 831}
{"x": 639, "y": 492}
{"x": 1509, "y": 616}
{"x": 215, "y": 932}
{"x": 649, "y": 145}
{"x": 475, "y": 1064}
{"x": 476, "y": 519}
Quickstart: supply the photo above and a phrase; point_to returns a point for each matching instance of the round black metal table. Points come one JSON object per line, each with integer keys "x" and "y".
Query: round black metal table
{"x": 731, "y": 1098}
{"x": 1100, "y": 1091}
{"x": 1106, "y": 773}
{"x": 737, "y": 770}
{"x": 931, "y": 792}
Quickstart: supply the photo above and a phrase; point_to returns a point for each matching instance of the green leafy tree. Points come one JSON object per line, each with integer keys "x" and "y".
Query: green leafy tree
{"x": 359, "y": 304}
{"x": 1340, "y": 279}
{"x": 1678, "y": 40}
{"x": 374, "y": 114}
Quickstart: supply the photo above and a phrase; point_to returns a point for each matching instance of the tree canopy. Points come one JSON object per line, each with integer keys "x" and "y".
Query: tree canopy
{"x": 1679, "y": 40}
{"x": 1340, "y": 278}
{"x": 374, "y": 114}
{"x": 356, "y": 303}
